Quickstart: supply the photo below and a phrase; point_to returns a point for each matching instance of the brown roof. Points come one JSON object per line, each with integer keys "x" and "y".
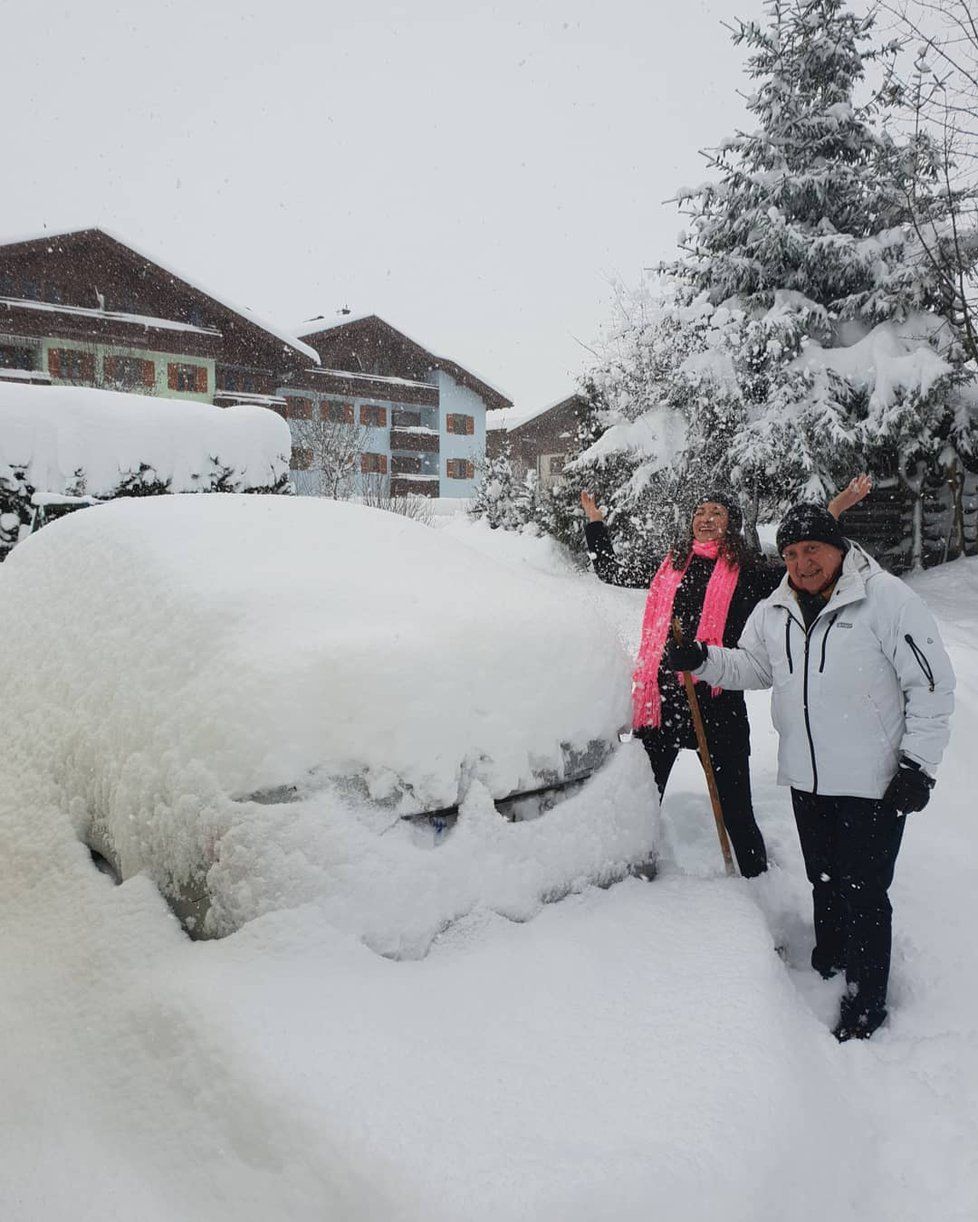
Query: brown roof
{"x": 336, "y": 341}
{"x": 232, "y": 319}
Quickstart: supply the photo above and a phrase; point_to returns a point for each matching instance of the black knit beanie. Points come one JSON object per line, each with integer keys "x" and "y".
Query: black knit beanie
{"x": 727, "y": 499}
{"x": 809, "y": 521}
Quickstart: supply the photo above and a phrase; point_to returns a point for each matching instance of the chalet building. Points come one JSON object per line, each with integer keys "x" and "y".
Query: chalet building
{"x": 85, "y": 309}
{"x": 425, "y": 414}
{"x": 542, "y": 442}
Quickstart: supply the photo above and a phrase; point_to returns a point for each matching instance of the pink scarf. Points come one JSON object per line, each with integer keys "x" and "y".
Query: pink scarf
{"x": 646, "y": 701}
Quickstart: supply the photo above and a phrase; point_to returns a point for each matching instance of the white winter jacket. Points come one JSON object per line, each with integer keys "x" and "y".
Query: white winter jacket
{"x": 868, "y": 681}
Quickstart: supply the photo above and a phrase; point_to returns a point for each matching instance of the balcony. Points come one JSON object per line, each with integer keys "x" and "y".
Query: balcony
{"x": 415, "y": 439}
{"x": 414, "y": 485}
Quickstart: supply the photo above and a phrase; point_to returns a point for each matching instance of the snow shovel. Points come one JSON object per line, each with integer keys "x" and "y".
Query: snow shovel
{"x": 704, "y": 753}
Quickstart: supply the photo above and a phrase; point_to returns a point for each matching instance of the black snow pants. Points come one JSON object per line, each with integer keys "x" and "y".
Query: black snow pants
{"x": 731, "y": 768}
{"x": 850, "y": 847}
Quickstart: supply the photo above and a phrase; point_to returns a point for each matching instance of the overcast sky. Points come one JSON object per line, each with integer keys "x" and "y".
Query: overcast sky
{"x": 477, "y": 174}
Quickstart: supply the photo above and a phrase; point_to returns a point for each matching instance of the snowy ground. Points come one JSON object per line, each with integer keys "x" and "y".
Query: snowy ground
{"x": 632, "y": 1053}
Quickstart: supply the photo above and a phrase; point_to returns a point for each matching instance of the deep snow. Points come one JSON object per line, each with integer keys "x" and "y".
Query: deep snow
{"x": 374, "y": 665}
{"x": 631, "y": 1053}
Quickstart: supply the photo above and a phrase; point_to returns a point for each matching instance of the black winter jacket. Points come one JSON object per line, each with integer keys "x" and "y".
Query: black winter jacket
{"x": 725, "y": 715}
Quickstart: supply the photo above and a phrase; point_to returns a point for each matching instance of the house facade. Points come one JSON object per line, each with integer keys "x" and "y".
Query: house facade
{"x": 425, "y": 415}
{"x": 544, "y": 441}
{"x": 85, "y": 309}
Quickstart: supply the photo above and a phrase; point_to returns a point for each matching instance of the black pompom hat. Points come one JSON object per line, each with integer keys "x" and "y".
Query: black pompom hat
{"x": 809, "y": 521}
{"x": 730, "y": 503}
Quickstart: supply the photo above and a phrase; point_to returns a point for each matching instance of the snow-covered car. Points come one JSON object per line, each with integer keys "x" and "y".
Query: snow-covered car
{"x": 265, "y": 701}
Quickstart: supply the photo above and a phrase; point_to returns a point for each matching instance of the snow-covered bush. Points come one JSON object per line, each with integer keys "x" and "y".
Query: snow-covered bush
{"x": 80, "y": 442}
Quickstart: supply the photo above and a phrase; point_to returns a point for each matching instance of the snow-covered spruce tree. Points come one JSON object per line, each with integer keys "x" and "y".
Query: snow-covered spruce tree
{"x": 499, "y": 498}
{"x": 803, "y": 331}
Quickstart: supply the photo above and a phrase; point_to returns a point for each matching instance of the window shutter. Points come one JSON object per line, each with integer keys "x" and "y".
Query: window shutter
{"x": 172, "y": 376}
{"x": 54, "y": 362}
{"x": 88, "y": 366}
{"x": 110, "y": 367}
{"x": 202, "y": 379}
{"x": 149, "y": 373}
{"x": 469, "y": 425}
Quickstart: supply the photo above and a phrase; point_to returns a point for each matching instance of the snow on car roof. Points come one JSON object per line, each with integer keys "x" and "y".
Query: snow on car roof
{"x": 268, "y": 641}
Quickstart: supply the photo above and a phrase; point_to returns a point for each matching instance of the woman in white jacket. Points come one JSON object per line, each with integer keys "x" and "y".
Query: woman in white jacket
{"x": 862, "y": 697}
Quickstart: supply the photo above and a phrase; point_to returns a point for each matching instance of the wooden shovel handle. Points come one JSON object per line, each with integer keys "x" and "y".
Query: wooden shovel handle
{"x": 704, "y": 754}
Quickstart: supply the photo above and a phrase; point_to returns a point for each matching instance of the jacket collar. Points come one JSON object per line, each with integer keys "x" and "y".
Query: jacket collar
{"x": 857, "y": 567}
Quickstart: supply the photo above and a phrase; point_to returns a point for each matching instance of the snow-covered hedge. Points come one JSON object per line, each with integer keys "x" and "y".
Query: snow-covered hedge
{"x": 78, "y": 441}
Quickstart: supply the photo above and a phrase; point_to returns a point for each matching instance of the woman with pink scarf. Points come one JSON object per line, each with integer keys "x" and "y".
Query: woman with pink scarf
{"x": 710, "y": 584}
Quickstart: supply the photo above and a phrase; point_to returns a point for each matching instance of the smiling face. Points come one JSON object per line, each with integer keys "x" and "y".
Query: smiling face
{"x": 710, "y": 522}
{"x": 812, "y": 565}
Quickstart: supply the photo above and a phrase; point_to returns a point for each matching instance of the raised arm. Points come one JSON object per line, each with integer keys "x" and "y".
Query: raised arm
{"x": 630, "y": 571}
{"x": 855, "y": 491}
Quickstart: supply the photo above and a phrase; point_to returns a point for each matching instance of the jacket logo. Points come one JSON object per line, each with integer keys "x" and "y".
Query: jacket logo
{"x": 842, "y": 624}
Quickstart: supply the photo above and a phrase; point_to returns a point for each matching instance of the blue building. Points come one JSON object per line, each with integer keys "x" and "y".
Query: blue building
{"x": 421, "y": 417}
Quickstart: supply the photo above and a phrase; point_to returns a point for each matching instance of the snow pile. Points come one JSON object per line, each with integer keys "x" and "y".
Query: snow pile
{"x": 74, "y": 439}
{"x": 174, "y": 656}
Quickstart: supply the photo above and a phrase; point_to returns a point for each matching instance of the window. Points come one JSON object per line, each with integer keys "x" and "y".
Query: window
{"x": 129, "y": 371}
{"x": 406, "y": 420}
{"x": 457, "y": 423}
{"x": 14, "y": 357}
{"x": 301, "y": 458}
{"x": 373, "y": 417}
{"x": 298, "y": 409}
{"x": 461, "y": 468}
{"x": 188, "y": 378}
{"x": 71, "y": 365}
{"x": 337, "y": 413}
{"x": 373, "y": 464}
{"x": 239, "y": 380}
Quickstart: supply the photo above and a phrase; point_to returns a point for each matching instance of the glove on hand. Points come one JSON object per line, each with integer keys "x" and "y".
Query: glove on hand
{"x": 910, "y": 788}
{"x": 684, "y": 657}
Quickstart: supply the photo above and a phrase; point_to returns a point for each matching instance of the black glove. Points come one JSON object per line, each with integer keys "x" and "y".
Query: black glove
{"x": 910, "y": 788}
{"x": 684, "y": 657}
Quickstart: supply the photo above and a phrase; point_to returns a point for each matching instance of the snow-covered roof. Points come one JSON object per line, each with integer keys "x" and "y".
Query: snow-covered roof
{"x": 141, "y": 320}
{"x": 249, "y": 315}
{"x": 513, "y": 417}
{"x": 445, "y": 364}
{"x": 371, "y": 377}
{"x": 315, "y": 326}
{"x": 524, "y": 416}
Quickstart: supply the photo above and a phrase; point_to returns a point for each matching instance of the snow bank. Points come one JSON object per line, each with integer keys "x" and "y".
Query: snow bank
{"x": 54, "y": 432}
{"x": 175, "y": 656}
